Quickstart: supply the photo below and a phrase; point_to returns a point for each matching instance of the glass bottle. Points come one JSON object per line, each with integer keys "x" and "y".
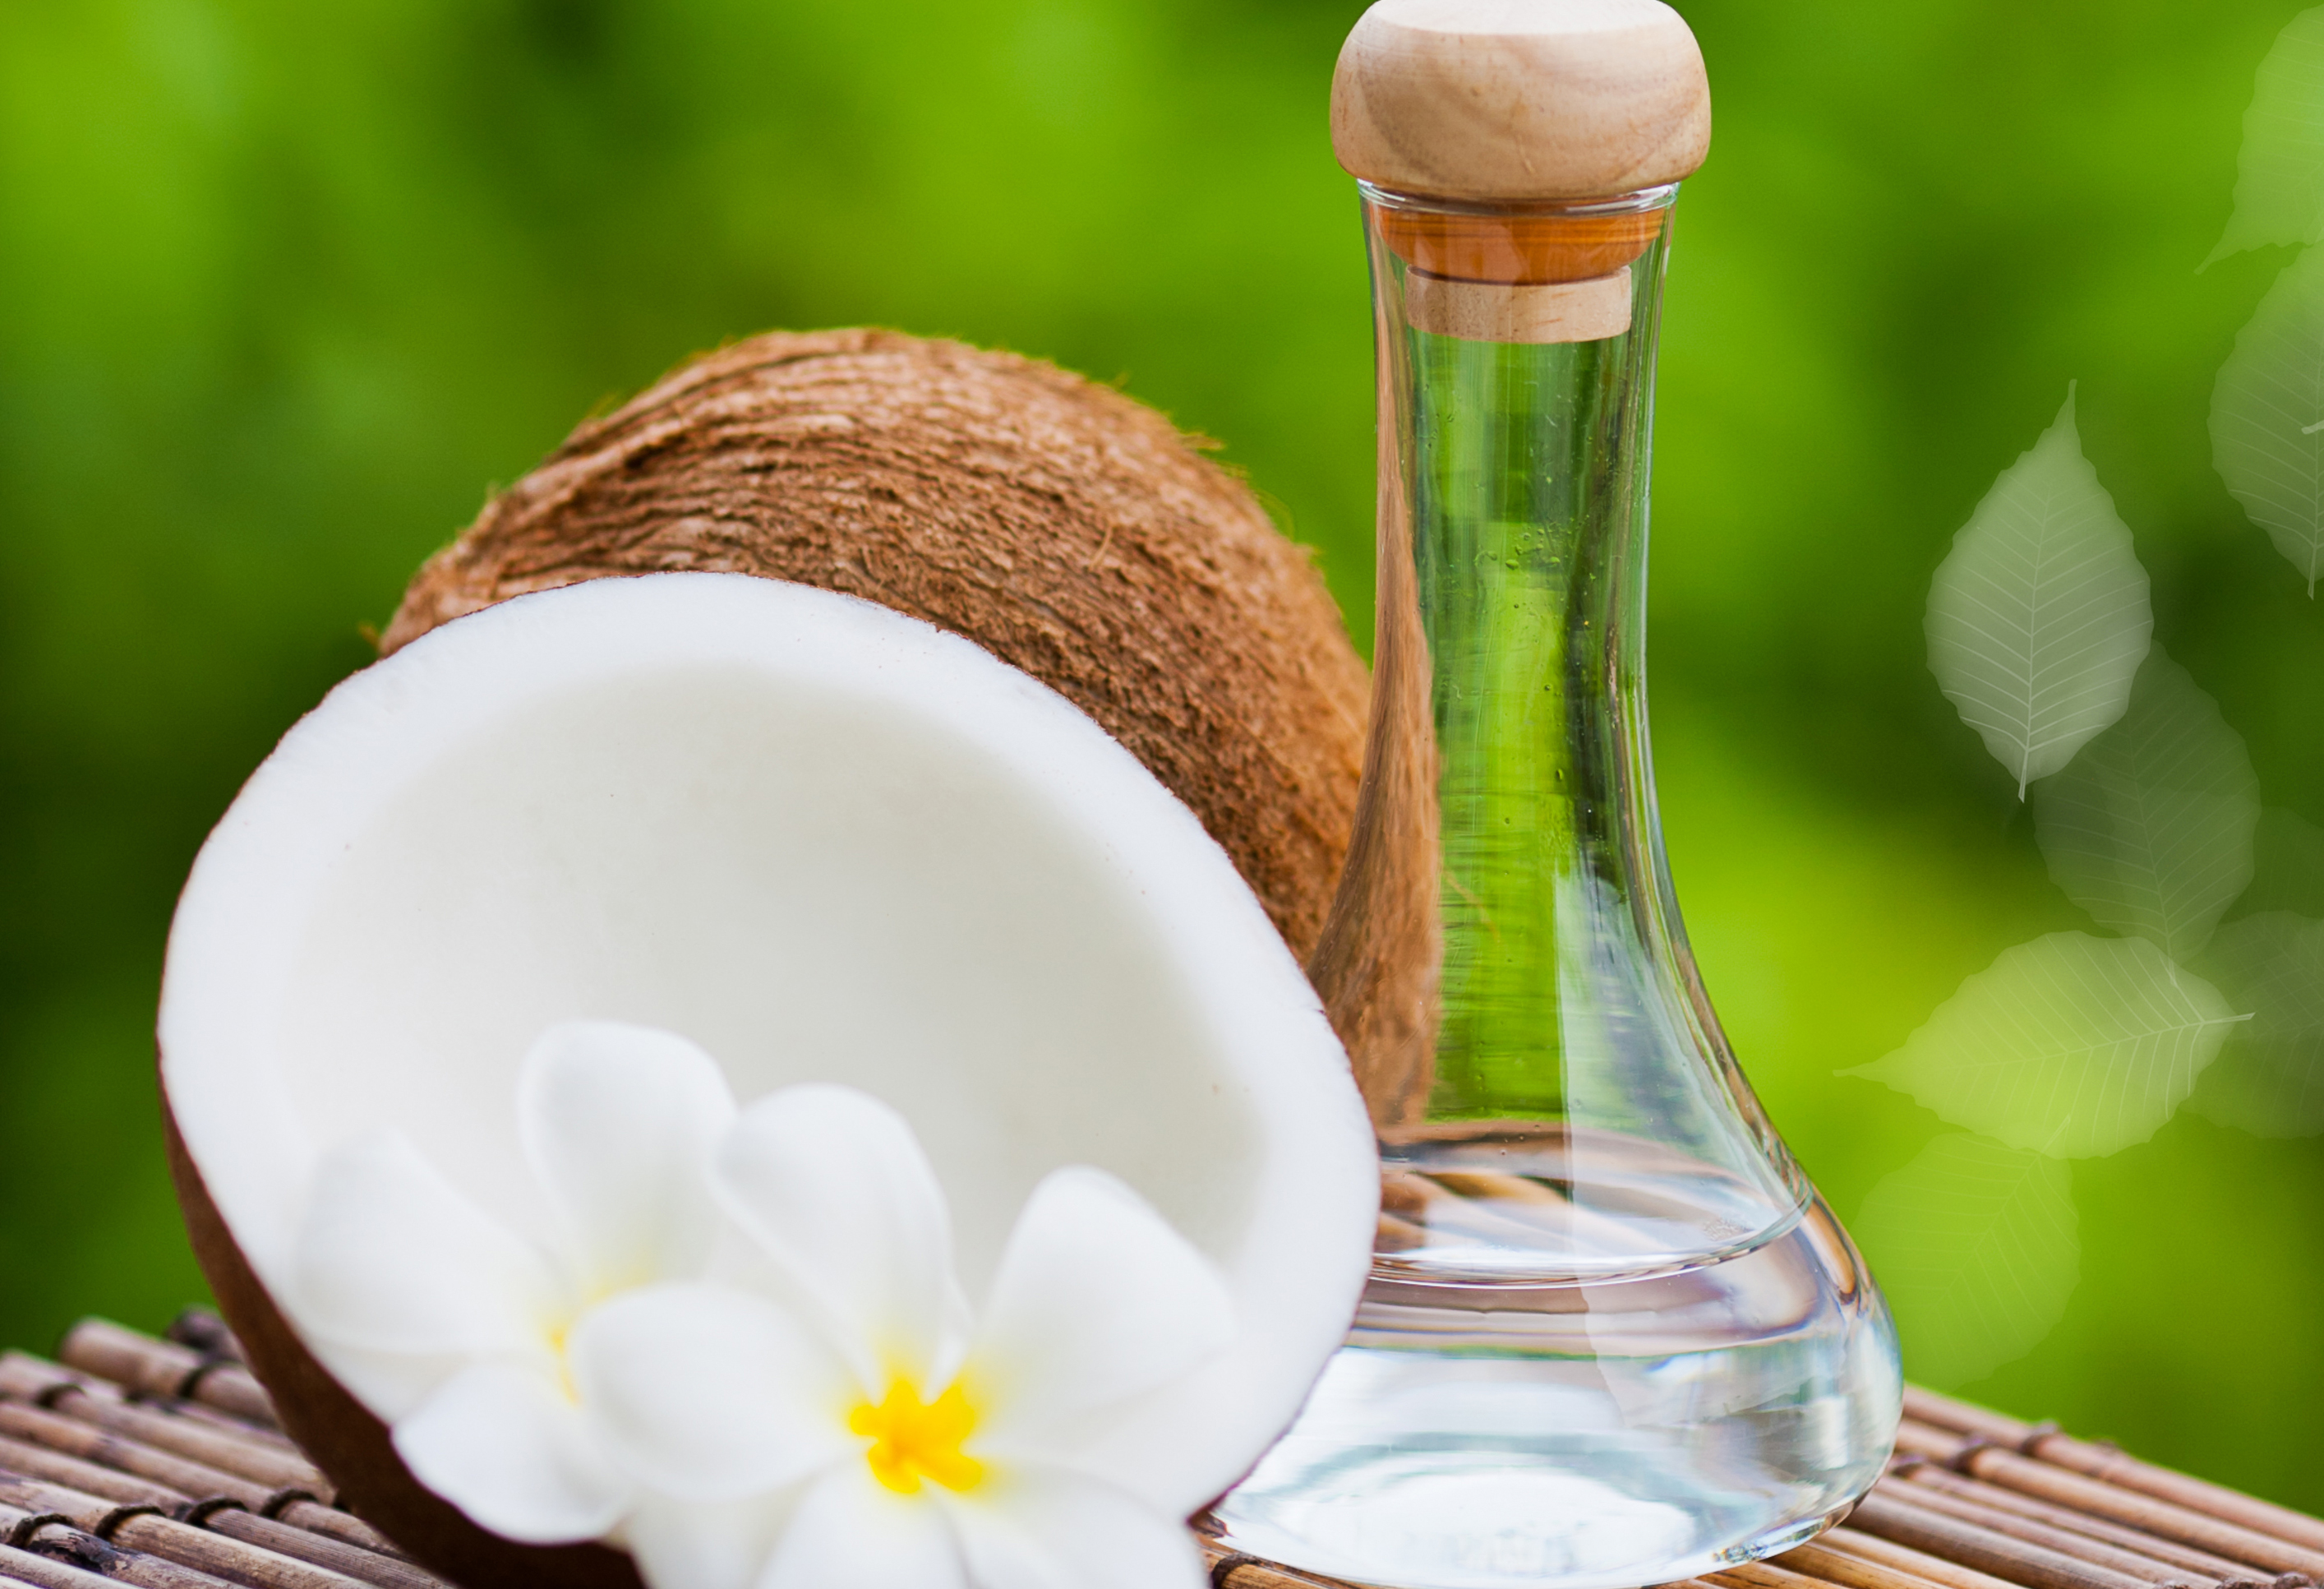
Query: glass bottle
{"x": 1613, "y": 1336}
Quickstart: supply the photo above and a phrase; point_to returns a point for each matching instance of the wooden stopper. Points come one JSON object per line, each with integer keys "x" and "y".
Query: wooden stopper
{"x": 1488, "y": 311}
{"x": 1523, "y": 250}
{"x": 1520, "y": 100}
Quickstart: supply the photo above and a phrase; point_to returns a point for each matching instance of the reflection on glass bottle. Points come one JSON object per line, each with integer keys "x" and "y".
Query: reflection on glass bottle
{"x": 1613, "y": 1336}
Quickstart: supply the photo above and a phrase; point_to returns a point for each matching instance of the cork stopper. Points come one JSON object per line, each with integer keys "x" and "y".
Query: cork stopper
{"x": 1520, "y": 100}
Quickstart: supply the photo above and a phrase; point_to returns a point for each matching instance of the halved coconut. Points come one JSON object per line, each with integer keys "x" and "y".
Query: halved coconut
{"x": 824, "y": 841}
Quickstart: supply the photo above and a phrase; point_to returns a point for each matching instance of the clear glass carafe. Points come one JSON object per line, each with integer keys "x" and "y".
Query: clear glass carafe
{"x": 1613, "y": 1336}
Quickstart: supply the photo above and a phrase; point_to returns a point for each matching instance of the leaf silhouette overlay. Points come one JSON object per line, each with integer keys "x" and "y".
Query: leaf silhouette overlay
{"x": 2269, "y": 1079}
{"x": 1976, "y": 1246}
{"x": 2265, "y": 408}
{"x": 2074, "y": 1045}
{"x": 2148, "y": 828}
{"x": 2287, "y": 865}
{"x": 2038, "y": 618}
{"x": 2280, "y": 175}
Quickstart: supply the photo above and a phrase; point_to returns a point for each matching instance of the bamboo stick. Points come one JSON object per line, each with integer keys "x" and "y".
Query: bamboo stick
{"x": 92, "y": 1514}
{"x": 144, "y": 1529}
{"x": 1935, "y": 1569}
{"x": 1923, "y": 1440}
{"x": 41, "y": 1572}
{"x": 1835, "y": 1566}
{"x": 356, "y": 1555}
{"x": 353, "y": 1562}
{"x": 2104, "y": 1462}
{"x": 205, "y": 1331}
{"x": 318, "y": 1519}
{"x": 2031, "y": 1477}
{"x": 2029, "y": 1565}
{"x": 162, "y": 1368}
{"x": 222, "y": 1556}
{"x": 2080, "y": 1546}
{"x": 44, "y": 1536}
{"x": 1231, "y": 1569}
{"x": 2097, "y": 1460}
{"x": 214, "y": 1418}
{"x": 107, "y": 1350}
{"x": 219, "y": 1449}
{"x": 28, "y": 1460}
{"x": 89, "y": 1467}
{"x": 26, "y": 1378}
{"x": 191, "y": 1479}
{"x": 231, "y": 1388}
{"x": 1927, "y": 1406}
{"x": 1761, "y": 1574}
{"x": 2080, "y": 1522}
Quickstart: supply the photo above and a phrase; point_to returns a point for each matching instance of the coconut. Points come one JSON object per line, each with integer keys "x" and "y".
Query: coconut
{"x": 825, "y": 842}
{"x": 1067, "y": 530}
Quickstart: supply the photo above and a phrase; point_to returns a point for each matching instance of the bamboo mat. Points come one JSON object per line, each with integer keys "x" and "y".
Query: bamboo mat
{"x": 159, "y": 1463}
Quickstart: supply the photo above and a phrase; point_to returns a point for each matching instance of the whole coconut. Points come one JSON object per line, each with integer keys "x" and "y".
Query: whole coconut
{"x": 1074, "y": 534}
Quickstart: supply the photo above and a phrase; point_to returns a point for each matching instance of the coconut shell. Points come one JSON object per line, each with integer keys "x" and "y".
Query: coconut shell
{"x": 1071, "y": 531}
{"x": 1074, "y": 534}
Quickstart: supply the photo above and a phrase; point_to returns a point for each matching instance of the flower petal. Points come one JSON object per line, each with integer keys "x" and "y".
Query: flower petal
{"x": 1042, "y": 1528}
{"x": 707, "y": 1545}
{"x": 619, "y": 1124}
{"x": 391, "y": 1257}
{"x": 1098, "y": 1300}
{"x": 504, "y": 1445}
{"x": 833, "y": 1183}
{"x": 850, "y": 1533}
{"x": 713, "y": 1393}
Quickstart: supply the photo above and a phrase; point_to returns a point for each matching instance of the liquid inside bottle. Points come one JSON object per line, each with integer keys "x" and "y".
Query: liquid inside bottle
{"x": 1612, "y": 1337}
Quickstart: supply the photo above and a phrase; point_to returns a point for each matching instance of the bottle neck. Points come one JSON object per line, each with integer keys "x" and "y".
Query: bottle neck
{"x": 1505, "y": 946}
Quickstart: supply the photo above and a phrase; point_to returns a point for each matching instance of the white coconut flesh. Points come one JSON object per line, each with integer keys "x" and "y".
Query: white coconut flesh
{"x": 825, "y": 841}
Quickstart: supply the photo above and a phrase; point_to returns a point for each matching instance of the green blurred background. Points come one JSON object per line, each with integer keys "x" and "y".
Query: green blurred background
{"x": 284, "y": 288}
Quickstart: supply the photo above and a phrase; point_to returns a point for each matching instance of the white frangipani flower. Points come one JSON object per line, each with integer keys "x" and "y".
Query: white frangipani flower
{"x": 861, "y": 1431}
{"x": 455, "y": 1328}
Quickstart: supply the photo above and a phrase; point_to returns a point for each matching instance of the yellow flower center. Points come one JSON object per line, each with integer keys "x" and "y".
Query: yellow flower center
{"x": 912, "y": 1439}
{"x": 558, "y": 1336}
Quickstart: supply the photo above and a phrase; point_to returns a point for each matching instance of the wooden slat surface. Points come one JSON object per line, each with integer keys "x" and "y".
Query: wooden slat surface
{"x": 158, "y": 1464}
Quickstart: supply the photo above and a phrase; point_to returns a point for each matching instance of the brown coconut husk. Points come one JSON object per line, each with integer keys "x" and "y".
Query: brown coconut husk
{"x": 1069, "y": 531}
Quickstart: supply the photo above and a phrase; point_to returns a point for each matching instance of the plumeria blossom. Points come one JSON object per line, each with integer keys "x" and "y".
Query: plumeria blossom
{"x": 456, "y": 1329}
{"x": 855, "y": 1428}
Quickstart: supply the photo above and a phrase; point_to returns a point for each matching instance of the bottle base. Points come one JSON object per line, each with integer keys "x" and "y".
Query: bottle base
{"x": 1470, "y": 1521}
{"x": 1495, "y": 1514}
{"x": 1587, "y": 1435}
